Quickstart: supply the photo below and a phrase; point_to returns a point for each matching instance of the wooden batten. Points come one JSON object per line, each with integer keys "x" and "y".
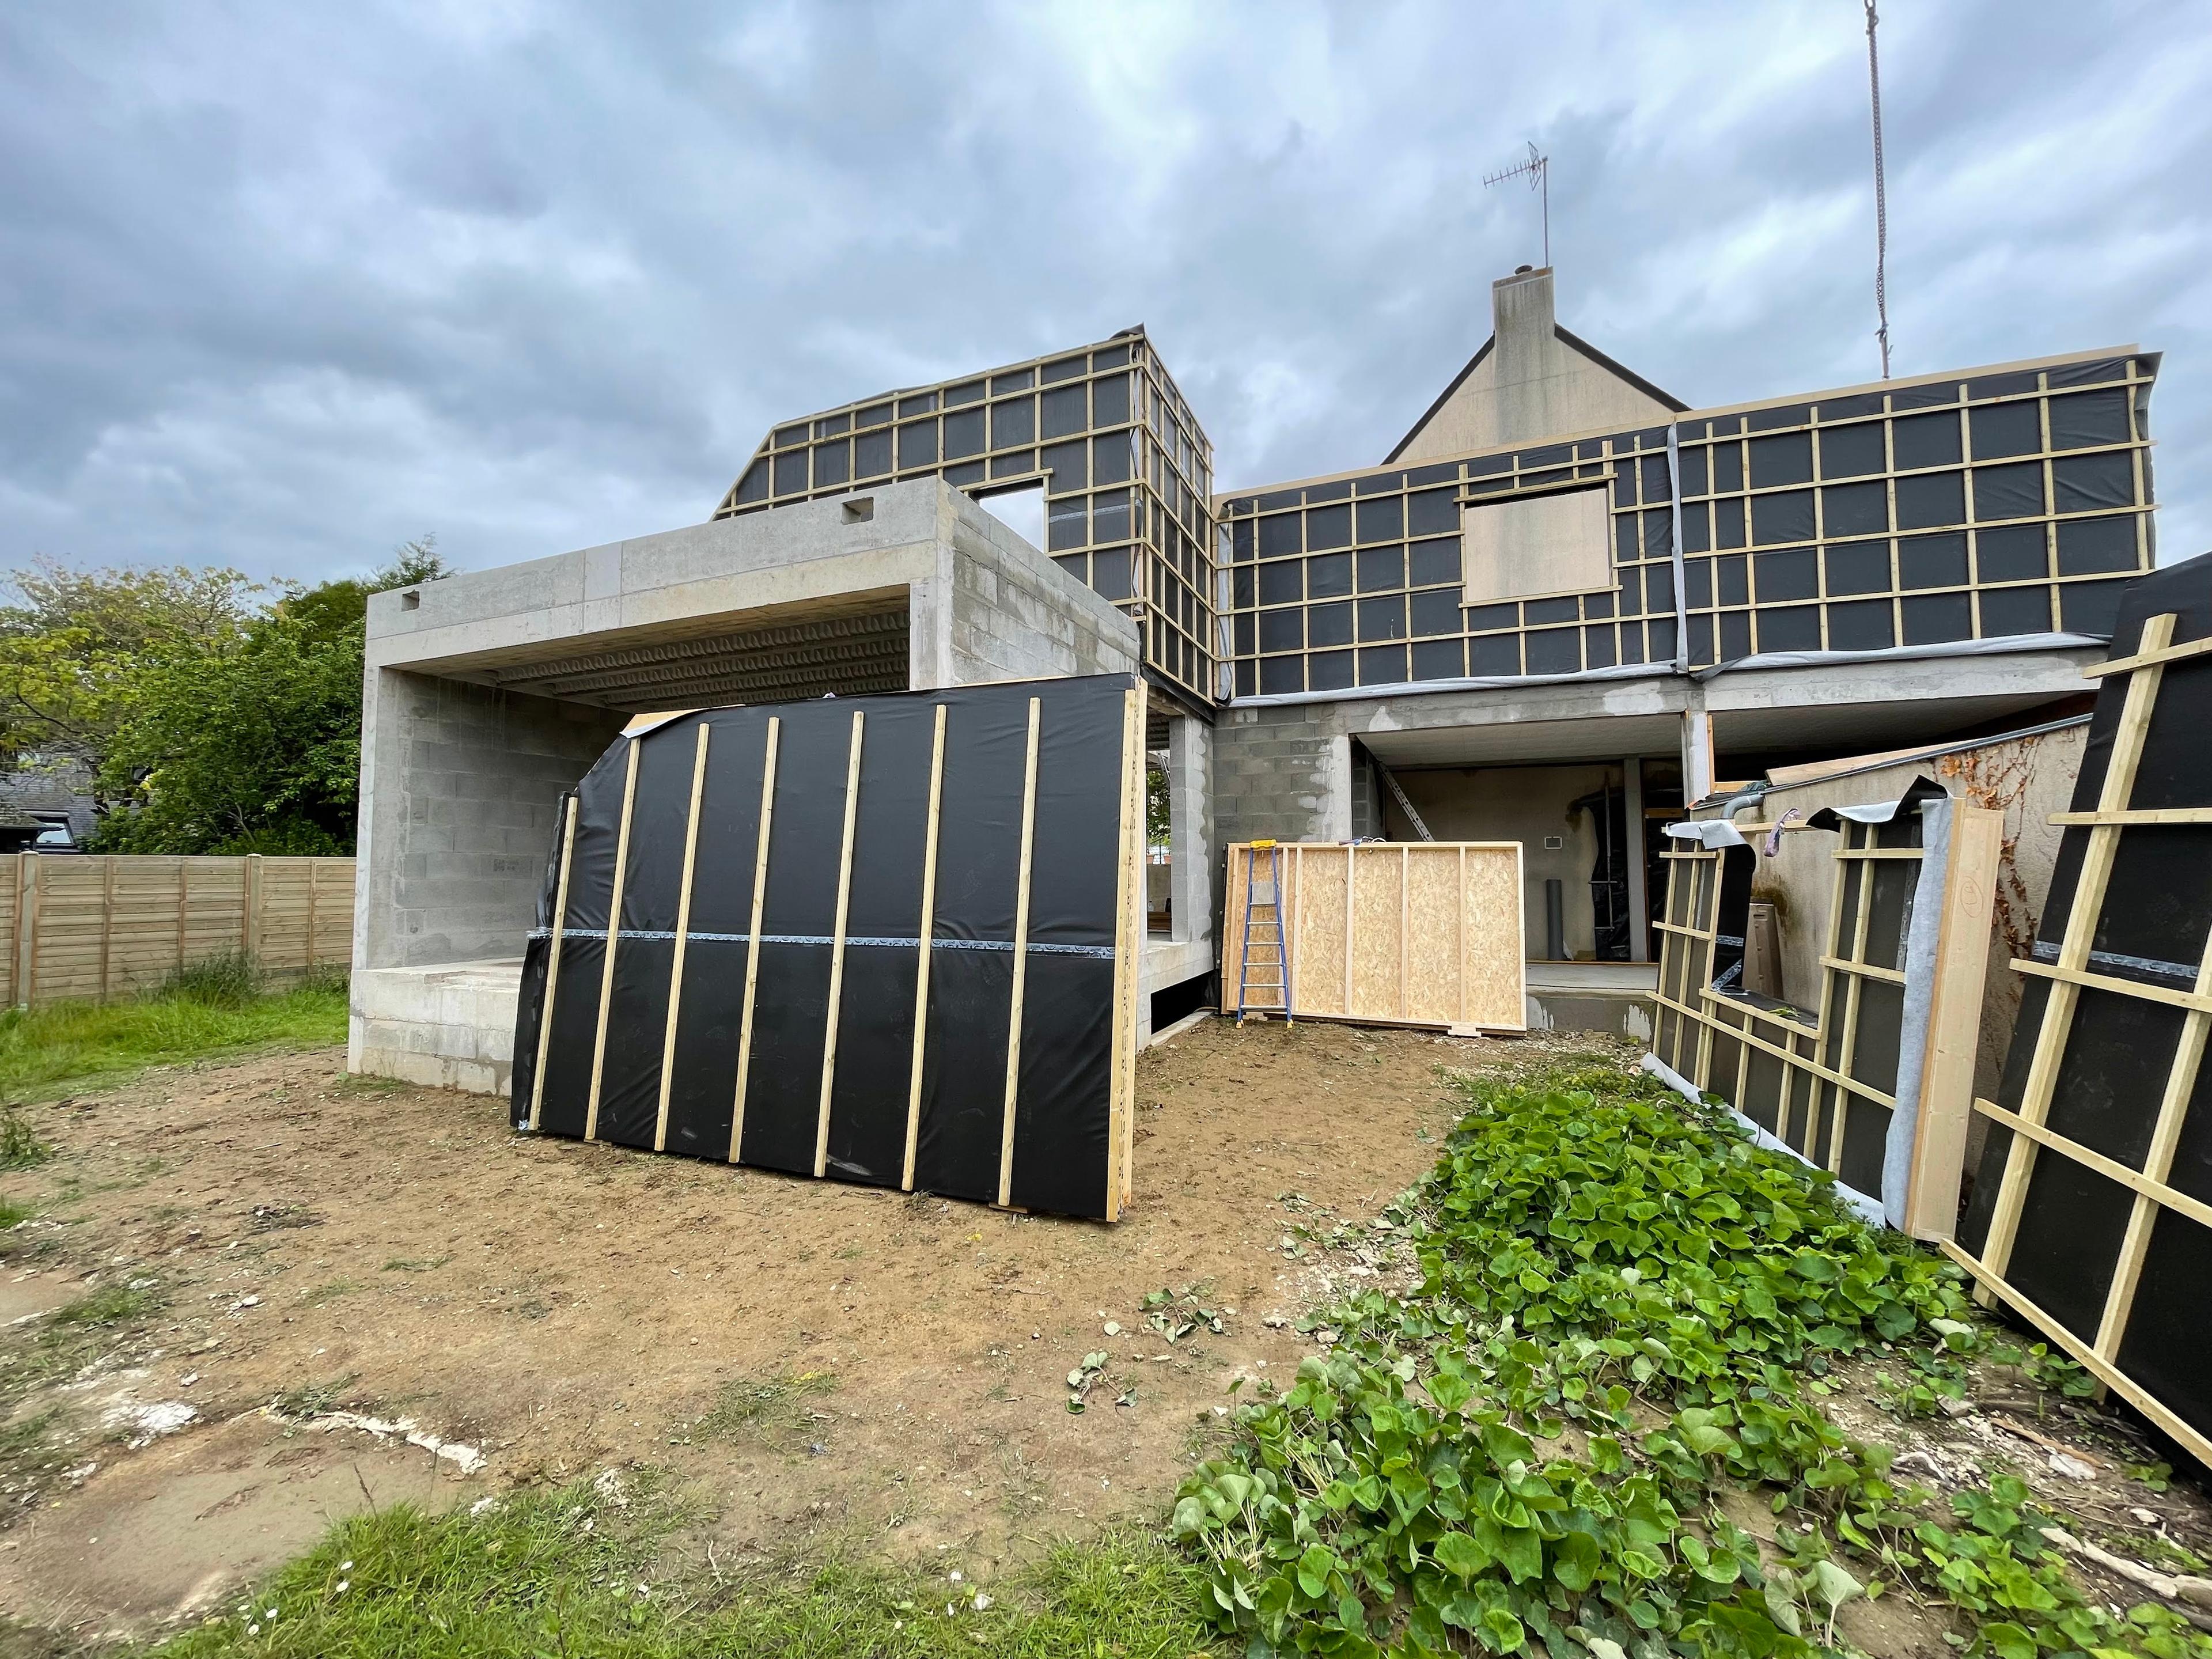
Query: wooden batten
{"x": 682, "y": 937}
{"x": 1021, "y": 960}
{"x": 837, "y": 944}
{"x": 553, "y": 958}
{"x": 614, "y": 938}
{"x": 923, "y": 936}
{"x": 1954, "y": 1022}
{"x": 753, "y": 951}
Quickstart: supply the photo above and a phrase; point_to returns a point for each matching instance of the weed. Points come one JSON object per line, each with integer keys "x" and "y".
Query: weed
{"x": 46, "y": 1049}
{"x": 111, "y": 1305}
{"x": 13, "y": 1214}
{"x": 319, "y": 1296}
{"x": 770, "y": 1408}
{"x": 314, "y": 1399}
{"x": 402, "y": 1264}
{"x": 229, "y": 979}
{"x": 19, "y": 1145}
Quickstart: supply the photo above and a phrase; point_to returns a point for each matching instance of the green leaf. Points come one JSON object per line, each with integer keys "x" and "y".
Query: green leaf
{"x": 1459, "y": 1554}
{"x": 2010, "y": 1641}
{"x": 1313, "y": 1569}
{"x": 1503, "y": 1630}
{"x": 1575, "y": 1560}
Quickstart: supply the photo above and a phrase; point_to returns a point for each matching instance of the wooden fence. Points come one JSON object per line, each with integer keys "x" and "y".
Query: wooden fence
{"x": 104, "y": 926}
{"x": 1397, "y": 933}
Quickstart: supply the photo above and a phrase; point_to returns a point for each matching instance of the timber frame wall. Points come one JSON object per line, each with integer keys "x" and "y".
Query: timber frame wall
{"x": 1425, "y": 934}
{"x": 2134, "y": 1317}
{"x": 92, "y": 927}
{"x": 1825, "y": 1084}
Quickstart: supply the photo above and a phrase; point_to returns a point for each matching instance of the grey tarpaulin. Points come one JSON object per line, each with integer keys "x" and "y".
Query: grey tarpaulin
{"x": 749, "y": 1032}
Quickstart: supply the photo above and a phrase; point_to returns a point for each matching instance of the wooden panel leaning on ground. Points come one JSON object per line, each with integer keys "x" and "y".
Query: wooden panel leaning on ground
{"x": 105, "y": 925}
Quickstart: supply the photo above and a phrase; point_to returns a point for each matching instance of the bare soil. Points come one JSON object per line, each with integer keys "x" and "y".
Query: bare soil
{"x": 898, "y": 1364}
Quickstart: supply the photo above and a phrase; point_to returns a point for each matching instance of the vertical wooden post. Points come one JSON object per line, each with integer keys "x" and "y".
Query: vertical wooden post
{"x": 183, "y": 869}
{"x": 838, "y": 947}
{"x": 1021, "y": 960}
{"x": 682, "y": 937}
{"x": 107, "y": 923}
{"x": 315, "y": 889}
{"x": 1351, "y": 861}
{"x": 27, "y": 927}
{"x": 614, "y": 939}
{"x": 1130, "y": 936}
{"x": 249, "y": 929}
{"x": 552, "y": 962}
{"x": 1405, "y": 930}
{"x": 1954, "y": 1021}
{"x": 923, "y": 939}
{"x": 753, "y": 951}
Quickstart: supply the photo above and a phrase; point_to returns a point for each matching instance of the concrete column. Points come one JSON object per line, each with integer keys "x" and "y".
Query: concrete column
{"x": 1696, "y": 755}
{"x": 1190, "y": 818}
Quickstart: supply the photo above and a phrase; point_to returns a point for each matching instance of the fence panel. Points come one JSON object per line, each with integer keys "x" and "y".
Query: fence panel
{"x": 107, "y": 925}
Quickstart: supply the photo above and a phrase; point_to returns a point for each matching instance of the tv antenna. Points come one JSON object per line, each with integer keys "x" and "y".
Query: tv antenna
{"x": 1537, "y": 169}
{"x": 1881, "y": 198}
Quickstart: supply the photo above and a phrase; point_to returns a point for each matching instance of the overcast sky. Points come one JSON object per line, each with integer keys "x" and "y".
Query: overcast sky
{"x": 282, "y": 285}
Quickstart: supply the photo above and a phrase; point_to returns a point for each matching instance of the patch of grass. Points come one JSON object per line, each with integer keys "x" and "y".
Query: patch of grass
{"x": 422, "y": 1264}
{"x": 314, "y": 1399}
{"x": 19, "y": 1145}
{"x": 43, "y": 1050}
{"x": 770, "y": 1408}
{"x": 13, "y": 1214}
{"x": 579, "y": 1571}
{"x": 317, "y": 1296}
{"x": 111, "y": 1305}
{"x": 229, "y": 979}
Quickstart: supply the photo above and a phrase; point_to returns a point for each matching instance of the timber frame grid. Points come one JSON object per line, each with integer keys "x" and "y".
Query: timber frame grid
{"x": 1127, "y": 946}
{"x": 2154, "y": 1202}
{"x": 1127, "y": 470}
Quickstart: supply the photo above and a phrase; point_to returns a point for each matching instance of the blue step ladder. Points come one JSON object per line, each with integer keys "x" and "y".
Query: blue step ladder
{"x": 1267, "y": 957}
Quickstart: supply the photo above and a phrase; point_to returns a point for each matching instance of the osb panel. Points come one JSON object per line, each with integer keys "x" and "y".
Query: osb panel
{"x": 1435, "y": 988}
{"x": 1494, "y": 953}
{"x": 1378, "y": 967}
{"x": 1317, "y": 957}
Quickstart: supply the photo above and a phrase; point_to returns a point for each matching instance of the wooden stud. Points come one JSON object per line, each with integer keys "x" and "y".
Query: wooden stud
{"x": 614, "y": 936}
{"x": 924, "y": 933}
{"x": 107, "y": 920}
{"x": 553, "y": 960}
{"x": 682, "y": 939}
{"x": 27, "y": 927}
{"x": 1954, "y": 1022}
{"x": 1021, "y": 959}
{"x": 1405, "y": 930}
{"x": 752, "y": 950}
{"x": 2150, "y": 656}
{"x": 1351, "y": 869}
{"x": 2156, "y": 1189}
{"x": 837, "y": 945}
{"x": 2194, "y": 1001}
{"x": 183, "y": 869}
{"x": 1129, "y": 945}
{"x": 2074, "y": 949}
{"x": 2148, "y": 816}
{"x": 1459, "y": 939}
{"x": 314, "y": 888}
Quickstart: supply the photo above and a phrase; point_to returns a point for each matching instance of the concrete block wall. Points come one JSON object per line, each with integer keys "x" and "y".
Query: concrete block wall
{"x": 1280, "y": 774}
{"x": 448, "y": 1029}
{"x": 1016, "y": 615}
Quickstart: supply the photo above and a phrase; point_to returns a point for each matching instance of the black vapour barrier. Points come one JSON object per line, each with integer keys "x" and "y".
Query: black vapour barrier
{"x": 1064, "y": 1071}
{"x": 2119, "y": 1049}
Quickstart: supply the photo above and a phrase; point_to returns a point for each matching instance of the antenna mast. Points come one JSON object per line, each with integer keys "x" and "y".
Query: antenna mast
{"x": 1881, "y": 197}
{"x": 1537, "y": 169}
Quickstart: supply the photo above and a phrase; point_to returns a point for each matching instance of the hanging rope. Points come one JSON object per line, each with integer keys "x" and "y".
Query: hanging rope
{"x": 1881, "y": 198}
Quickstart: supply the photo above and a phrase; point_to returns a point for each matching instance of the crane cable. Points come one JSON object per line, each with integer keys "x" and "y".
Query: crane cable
{"x": 1881, "y": 198}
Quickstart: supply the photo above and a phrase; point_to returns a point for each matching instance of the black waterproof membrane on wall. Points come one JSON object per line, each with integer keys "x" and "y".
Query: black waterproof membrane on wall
{"x": 2092, "y": 1214}
{"x": 763, "y": 996}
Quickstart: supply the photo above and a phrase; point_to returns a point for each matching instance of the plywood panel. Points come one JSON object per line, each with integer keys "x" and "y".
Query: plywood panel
{"x": 1376, "y": 930}
{"x": 1433, "y": 944}
{"x": 1494, "y": 953}
{"x": 1317, "y": 959}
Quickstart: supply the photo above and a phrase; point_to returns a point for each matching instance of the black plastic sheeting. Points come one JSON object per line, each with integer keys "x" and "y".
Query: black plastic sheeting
{"x": 1062, "y": 1150}
{"x": 2119, "y": 1049}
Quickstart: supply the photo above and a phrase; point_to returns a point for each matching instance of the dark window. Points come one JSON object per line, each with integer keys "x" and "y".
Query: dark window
{"x": 1735, "y": 580}
{"x": 1852, "y": 452}
{"x": 1860, "y": 509}
{"x": 1692, "y": 459}
{"x": 1865, "y": 626}
{"x": 1248, "y": 679}
{"x": 1700, "y": 643}
{"x": 1328, "y": 526}
{"x": 1659, "y": 534}
{"x": 753, "y": 487}
{"x": 1281, "y": 674}
{"x": 1067, "y": 523}
{"x": 2013, "y": 554}
{"x": 1330, "y": 671}
{"x": 1631, "y": 643}
{"x": 1736, "y": 636}
{"x": 1329, "y": 577}
{"x": 1625, "y": 550}
{"x": 1697, "y": 527}
{"x": 1383, "y": 619}
{"x": 1245, "y": 589}
{"x": 1434, "y": 561}
{"x": 2088, "y": 546}
{"x": 1382, "y": 521}
{"x": 2006, "y": 429}
{"x": 1279, "y": 630}
{"x": 1382, "y": 665}
{"x": 1067, "y": 464}
{"x": 829, "y": 463}
{"x": 1494, "y": 656}
{"x": 1110, "y": 459}
{"x": 964, "y": 433}
{"x": 1555, "y": 651}
{"x": 917, "y": 444}
{"x": 1484, "y": 617}
{"x": 1597, "y": 605}
{"x": 1329, "y": 624}
{"x": 2085, "y": 482}
{"x": 1919, "y": 441}
{"x": 791, "y": 472}
{"x": 1110, "y": 515}
{"x": 1728, "y": 468}
{"x": 1785, "y": 460}
{"x": 1435, "y": 612}
{"x": 1728, "y": 521}
{"x": 1931, "y": 561}
{"x": 1278, "y": 535}
{"x": 2084, "y": 418}
{"x": 1785, "y": 518}
{"x": 1788, "y": 576}
{"x": 1381, "y": 568}
{"x": 1439, "y": 660}
{"x": 1013, "y": 422}
{"x": 1923, "y": 503}
{"x": 2015, "y": 610}
{"x": 1697, "y": 586}
{"x": 872, "y": 455}
{"x": 971, "y": 391}
{"x": 1278, "y": 583}
{"x": 1793, "y": 628}
{"x": 2090, "y": 607}
{"x": 1662, "y": 639}
{"x": 1858, "y": 567}
{"x": 1063, "y": 414}
{"x": 1654, "y": 469}
{"x": 1110, "y": 573}
{"x": 1247, "y": 635}
{"x": 1597, "y": 646}
{"x": 1659, "y": 586}
{"x": 1937, "y": 617}
{"x": 2008, "y": 492}
{"x": 1432, "y": 512}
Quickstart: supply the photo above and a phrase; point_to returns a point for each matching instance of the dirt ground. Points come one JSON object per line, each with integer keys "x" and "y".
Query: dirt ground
{"x": 543, "y": 1308}
{"x": 352, "y": 1292}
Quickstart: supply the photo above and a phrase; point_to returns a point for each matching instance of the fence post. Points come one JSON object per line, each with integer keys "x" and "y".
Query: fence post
{"x": 107, "y": 923}
{"x": 250, "y": 923}
{"x": 183, "y": 869}
{"x": 314, "y": 882}
{"x": 26, "y": 925}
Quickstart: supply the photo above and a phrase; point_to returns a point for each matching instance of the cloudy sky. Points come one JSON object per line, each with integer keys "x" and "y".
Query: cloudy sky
{"x": 282, "y": 285}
